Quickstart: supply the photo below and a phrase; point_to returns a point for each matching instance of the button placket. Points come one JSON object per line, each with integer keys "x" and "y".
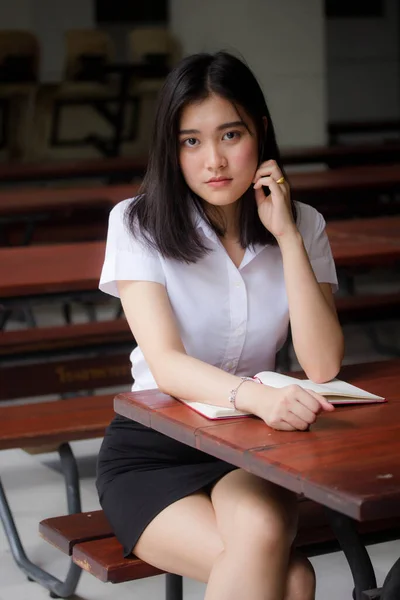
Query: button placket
{"x": 238, "y": 314}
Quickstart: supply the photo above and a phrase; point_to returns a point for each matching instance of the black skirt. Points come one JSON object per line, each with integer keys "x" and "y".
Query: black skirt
{"x": 140, "y": 472}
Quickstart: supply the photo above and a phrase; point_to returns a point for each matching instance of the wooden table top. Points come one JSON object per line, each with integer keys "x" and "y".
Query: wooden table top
{"x": 69, "y": 169}
{"x": 365, "y": 242}
{"x": 32, "y": 270}
{"x": 365, "y": 177}
{"x": 61, "y": 268}
{"x": 349, "y": 460}
{"x": 343, "y": 153}
{"x": 15, "y": 202}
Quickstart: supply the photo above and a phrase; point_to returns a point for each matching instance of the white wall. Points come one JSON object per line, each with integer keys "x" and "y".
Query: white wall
{"x": 281, "y": 40}
{"x": 363, "y": 66}
{"x": 16, "y": 14}
{"x": 51, "y": 18}
{"x": 48, "y": 19}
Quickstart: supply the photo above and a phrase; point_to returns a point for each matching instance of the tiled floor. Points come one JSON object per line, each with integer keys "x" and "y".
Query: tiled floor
{"x": 35, "y": 491}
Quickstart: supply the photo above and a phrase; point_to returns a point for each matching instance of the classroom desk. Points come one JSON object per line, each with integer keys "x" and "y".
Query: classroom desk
{"x": 41, "y": 271}
{"x": 348, "y": 461}
{"x": 39, "y": 200}
{"x": 115, "y": 168}
{"x": 23, "y": 212}
{"x": 365, "y": 242}
{"x": 379, "y": 177}
{"x": 342, "y": 155}
{"x": 358, "y": 191}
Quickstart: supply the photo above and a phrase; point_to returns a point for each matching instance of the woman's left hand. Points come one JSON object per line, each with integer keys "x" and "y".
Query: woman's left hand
{"x": 274, "y": 210}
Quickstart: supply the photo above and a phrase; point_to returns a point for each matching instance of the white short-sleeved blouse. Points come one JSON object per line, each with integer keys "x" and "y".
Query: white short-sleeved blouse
{"x": 233, "y": 318}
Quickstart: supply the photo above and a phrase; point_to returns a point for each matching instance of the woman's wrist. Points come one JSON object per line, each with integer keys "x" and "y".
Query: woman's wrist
{"x": 290, "y": 239}
{"x": 248, "y": 396}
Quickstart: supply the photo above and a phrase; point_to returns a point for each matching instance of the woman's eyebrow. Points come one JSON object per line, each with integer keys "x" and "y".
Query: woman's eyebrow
{"x": 219, "y": 128}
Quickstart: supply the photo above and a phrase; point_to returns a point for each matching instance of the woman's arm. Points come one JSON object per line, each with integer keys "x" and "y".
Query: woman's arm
{"x": 316, "y": 332}
{"x": 317, "y": 335}
{"x": 153, "y": 324}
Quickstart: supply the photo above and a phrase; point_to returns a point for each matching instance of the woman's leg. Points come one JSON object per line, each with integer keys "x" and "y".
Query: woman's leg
{"x": 301, "y": 579}
{"x": 257, "y": 522}
{"x": 183, "y": 538}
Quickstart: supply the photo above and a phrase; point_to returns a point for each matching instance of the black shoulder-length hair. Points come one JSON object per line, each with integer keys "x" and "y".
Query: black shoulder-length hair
{"x": 164, "y": 207}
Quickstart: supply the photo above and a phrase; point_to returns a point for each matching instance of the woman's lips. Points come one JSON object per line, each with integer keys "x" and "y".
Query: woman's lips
{"x": 219, "y": 183}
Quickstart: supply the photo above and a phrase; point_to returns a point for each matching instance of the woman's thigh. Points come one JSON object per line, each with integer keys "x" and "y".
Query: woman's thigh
{"x": 183, "y": 538}
{"x": 247, "y": 506}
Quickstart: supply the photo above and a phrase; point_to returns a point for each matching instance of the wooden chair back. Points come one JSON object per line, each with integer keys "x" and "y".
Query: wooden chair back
{"x": 86, "y": 50}
{"x": 19, "y": 56}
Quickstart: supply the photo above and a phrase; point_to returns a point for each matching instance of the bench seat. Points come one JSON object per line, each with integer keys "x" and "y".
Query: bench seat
{"x": 368, "y": 307}
{"x": 39, "y": 423}
{"x": 89, "y": 539}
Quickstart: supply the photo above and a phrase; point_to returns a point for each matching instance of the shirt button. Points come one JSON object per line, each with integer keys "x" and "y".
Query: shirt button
{"x": 238, "y": 283}
{"x": 239, "y": 330}
{"x": 229, "y": 365}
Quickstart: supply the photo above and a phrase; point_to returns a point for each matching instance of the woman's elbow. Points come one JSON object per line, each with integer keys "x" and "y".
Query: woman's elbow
{"x": 326, "y": 370}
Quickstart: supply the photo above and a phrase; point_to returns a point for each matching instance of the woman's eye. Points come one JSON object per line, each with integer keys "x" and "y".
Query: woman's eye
{"x": 231, "y": 135}
{"x": 190, "y": 142}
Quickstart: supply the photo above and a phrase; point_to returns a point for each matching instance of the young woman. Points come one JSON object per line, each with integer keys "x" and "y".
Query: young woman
{"x": 211, "y": 262}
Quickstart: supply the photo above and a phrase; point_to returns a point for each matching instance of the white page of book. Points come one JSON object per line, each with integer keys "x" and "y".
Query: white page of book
{"x": 336, "y": 387}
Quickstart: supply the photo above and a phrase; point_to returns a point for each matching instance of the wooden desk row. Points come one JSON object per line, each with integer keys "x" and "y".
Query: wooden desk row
{"x": 373, "y": 177}
{"x": 52, "y": 215}
{"x": 124, "y": 168}
{"x": 66, "y": 268}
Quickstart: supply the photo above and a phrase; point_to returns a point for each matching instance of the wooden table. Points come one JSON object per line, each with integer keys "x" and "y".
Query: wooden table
{"x": 363, "y": 177}
{"x": 29, "y": 214}
{"x": 122, "y": 167}
{"x": 349, "y": 461}
{"x": 343, "y": 154}
{"x": 40, "y": 200}
{"x": 362, "y": 191}
{"x": 365, "y": 242}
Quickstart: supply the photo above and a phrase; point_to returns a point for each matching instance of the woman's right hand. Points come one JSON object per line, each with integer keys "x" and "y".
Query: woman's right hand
{"x": 290, "y": 408}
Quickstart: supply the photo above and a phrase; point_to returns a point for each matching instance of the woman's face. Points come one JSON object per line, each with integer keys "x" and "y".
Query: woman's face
{"x": 218, "y": 154}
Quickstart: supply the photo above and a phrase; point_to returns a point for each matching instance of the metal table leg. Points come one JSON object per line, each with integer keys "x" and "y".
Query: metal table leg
{"x": 355, "y": 552}
{"x": 57, "y": 588}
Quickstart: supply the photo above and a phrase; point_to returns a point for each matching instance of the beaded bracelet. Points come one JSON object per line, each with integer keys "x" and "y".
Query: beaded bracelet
{"x": 233, "y": 393}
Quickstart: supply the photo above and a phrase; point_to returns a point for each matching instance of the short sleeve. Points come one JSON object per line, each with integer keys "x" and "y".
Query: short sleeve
{"x": 126, "y": 258}
{"x": 312, "y": 227}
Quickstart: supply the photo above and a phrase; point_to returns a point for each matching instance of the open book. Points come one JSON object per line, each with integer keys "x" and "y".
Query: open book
{"x": 335, "y": 391}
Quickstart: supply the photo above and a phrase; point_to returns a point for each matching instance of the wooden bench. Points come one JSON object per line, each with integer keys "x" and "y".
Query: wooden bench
{"x": 367, "y": 307}
{"x": 64, "y": 359}
{"x": 41, "y": 423}
{"x": 36, "y": 361}
{"x": 89, "y": 540}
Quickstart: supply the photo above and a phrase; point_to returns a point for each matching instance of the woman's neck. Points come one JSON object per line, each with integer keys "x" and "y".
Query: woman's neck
{"x": 225, "y": 217}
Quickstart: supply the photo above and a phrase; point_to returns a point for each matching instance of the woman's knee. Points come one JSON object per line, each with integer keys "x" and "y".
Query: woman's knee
{"x": 266, "y": 524}
{"x": 260, "y": 512}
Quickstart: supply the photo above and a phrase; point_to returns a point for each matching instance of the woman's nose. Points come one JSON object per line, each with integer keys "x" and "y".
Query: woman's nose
{"x": 215, "y": 158}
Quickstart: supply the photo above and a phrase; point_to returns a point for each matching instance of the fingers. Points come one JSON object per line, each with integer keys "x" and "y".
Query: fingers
{"x": 324, "y": 403}
{"x": 297, "y": 408}
{"x": 268, "y": 168}
{"x": 275, "y": 188}
{"x": 303, "y": 412}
